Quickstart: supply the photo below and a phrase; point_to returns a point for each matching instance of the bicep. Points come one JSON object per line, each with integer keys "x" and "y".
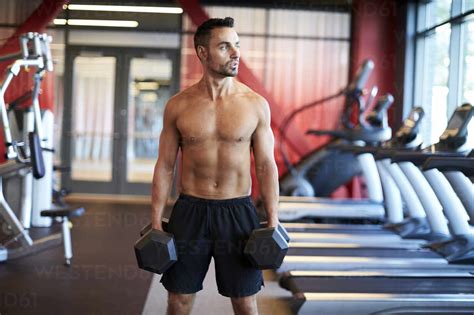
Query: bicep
{"x": 263, "y": 139}
{"x": 169, "y": 138}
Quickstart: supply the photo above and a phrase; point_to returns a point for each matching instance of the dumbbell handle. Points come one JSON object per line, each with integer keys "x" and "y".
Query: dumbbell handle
{"x": 145, "y": 229}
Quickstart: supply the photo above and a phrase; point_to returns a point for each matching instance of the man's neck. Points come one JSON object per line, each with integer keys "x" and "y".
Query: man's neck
{"x": 217, "y": 87}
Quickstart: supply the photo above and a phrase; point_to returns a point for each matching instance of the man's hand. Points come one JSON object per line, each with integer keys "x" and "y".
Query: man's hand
{"x": 273, "y": 222}
{"x": 156, "y": 224}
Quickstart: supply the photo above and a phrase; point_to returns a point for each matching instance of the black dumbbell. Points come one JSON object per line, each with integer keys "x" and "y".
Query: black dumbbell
{"x": 146, "y": 228}
{"x": 284, "y": 233}
{"x": 267, "y": 247}
{"x": 155, "y": 250}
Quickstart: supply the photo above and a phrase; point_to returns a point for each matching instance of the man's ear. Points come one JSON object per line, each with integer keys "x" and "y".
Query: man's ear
{"x": 202, "y": 52}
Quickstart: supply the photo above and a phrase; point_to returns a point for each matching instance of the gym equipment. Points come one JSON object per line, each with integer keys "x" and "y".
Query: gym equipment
{"x": 26, "y": 119}
{"x": 463, "y": 188}
{"x": 267, "y": 247}
{"x": 35, "y": 53}
{"x": 407, "y": 137}
{"x": 303, "y": 258}
{"x": 429, "y": 183}
{"x": 372, "y": 292}
{"x": 451, "y": 164}
{"x": 145, "y": 229}
{"x": 20, "y": 243}
{"x": 26, "y": 156}
{"x": 156, "y": 251}
{"x": 460, "y": 248}
{"x": 425, "y": 290}
{"x": 309, "y": 176}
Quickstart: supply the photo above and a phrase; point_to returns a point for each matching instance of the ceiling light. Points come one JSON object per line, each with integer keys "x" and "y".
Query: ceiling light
{"x": 59, "y": 21}
{"x": 105, "y": 23}
{"x": 147, "y": 85}
{"x": 124, "y": 8}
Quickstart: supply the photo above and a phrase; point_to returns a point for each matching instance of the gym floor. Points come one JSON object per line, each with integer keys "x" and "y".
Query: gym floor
{"x": 104, "y": 277}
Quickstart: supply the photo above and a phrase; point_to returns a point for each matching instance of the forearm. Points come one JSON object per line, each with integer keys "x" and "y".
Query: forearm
{"x": 162, "y": 181}
{"x": 267, "y": 176}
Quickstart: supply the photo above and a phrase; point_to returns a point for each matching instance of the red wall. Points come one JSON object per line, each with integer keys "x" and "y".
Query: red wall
{"x": 374, "y": 36}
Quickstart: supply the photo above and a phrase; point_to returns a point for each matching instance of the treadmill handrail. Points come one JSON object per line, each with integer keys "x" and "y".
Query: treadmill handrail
{"x": 418, "y": 158}
{"x": 462, "y": 164}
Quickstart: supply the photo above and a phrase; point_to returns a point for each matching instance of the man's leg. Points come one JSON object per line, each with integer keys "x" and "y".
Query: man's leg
{"x": 245, "y": 305}
{"x": 180, "y": 304}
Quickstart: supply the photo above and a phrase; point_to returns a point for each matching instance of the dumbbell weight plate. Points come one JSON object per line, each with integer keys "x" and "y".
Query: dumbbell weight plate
{"x": 284, "y": 233}
{"x": 266, "y": 248}
{"x": 156, "y": 251}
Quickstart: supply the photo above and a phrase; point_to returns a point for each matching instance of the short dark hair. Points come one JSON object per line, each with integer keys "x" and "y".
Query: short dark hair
{"x": 203, "y": 32}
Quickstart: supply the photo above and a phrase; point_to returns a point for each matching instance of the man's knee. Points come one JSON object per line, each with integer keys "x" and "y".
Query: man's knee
{"x": 245, "y": 305}
{"x": 180, "y": 301}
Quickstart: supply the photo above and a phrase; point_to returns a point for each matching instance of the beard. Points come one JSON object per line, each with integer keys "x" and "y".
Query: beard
{"x": 228, "y": 70}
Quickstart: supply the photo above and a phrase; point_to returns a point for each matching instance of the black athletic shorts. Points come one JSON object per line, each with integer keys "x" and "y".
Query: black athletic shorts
{"x": 204, "y": 228}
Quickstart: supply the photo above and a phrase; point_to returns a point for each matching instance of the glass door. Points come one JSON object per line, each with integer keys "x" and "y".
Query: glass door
{"x": 151, "y": 82}
{"x": 112, "y": 126}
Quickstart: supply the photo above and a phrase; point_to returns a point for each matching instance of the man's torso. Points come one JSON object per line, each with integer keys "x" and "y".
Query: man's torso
{"x": 215, "y": 140}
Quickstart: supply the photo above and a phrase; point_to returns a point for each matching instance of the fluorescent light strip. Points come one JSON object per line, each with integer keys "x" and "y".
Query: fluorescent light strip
{"x": 106, "y": 23}
{"x": 147, "y": 85}
{"x": 59, "y": 22}
{"x": 124, "y": 8}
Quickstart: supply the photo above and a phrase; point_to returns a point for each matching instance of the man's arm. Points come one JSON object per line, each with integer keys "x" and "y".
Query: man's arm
{"x": 164, "y": 168}
{"x": 265, "y": 166}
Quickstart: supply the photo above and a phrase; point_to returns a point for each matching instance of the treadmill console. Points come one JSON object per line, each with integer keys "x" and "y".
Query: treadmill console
{"x": 362, "y": 76}
{"x": 409, "y": 129}
{"x": 455, "y": 133}
{"x": 378, "y": 116}
{"x": 457, "y": 125}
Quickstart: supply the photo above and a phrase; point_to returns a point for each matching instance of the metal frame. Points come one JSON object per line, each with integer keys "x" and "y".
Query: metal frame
{"x": 416, "y": 82}
{"x": 20, "y": 234}
{"x": 455, "y": 56}
{"x": 373, "y": 303}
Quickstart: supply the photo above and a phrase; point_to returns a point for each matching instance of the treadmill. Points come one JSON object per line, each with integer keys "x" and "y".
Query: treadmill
{"x": 309, "y": 175}
{"x": 459, "y": 117}
{"x": 378, "y": 293}
{"x": 373, "y": 252}
{"x": 381, "y": 187}
{"x": 392, "y": 291}
{"x": 406, "y": 138}
{"x": 461, "y": 246}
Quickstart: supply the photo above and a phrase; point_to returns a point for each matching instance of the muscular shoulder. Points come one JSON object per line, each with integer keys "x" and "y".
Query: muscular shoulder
{"x": 256, "y": 100}
{"x": 178, "y": 102}
{"x": 260, "y": 105}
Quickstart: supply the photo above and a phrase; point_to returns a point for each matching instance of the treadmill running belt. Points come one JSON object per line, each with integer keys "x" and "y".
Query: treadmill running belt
{"x": 379, "y": 285}
{"x": 335, "y": 231}
{"x": 363, "y": 252}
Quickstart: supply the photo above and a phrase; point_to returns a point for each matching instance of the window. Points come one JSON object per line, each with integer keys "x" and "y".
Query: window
{"x": 444, "y": 62}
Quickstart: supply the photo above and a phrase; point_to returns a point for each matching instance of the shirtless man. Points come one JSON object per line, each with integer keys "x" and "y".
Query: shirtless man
{"x": 216, "y": 123}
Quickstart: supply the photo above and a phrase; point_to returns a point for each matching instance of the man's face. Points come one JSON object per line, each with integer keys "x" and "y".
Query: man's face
{"x": 223, "y": 52}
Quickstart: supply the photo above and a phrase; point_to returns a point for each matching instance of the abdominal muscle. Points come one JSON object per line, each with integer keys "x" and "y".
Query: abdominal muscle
{"x": 216, "y": 170}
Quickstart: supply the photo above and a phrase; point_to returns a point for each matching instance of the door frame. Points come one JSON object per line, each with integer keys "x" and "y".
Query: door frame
{"x": 123, "y": 55}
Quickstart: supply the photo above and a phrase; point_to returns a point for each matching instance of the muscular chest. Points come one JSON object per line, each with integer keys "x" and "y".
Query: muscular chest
{"x": 221, "y": 122}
